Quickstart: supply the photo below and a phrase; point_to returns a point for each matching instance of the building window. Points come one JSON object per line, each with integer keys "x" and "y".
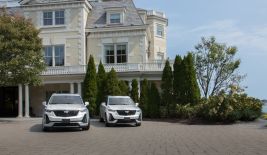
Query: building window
{"x": 160, "y": 30}
{"x": 59, "y": 17}
{"x": 48, "y": 18}
{"x": 54, "y": 55}
{"x": 48, "y": 55}
{"x": 54, "y": 18}
{"x": 59, "y": 55}
{"x": 110, "y": 55}
{"x": 115, "y": 18}
{"x": 121, "y": 54}
{"x": 115, "y": 53}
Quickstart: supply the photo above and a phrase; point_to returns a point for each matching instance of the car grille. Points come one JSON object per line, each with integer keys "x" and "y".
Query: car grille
{"x": 126, "y": 112}
{"x": 66, "y": 113}
{"x": 66, "y": 124}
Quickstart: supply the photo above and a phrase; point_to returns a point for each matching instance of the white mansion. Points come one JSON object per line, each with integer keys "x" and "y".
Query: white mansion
{"x": 123, "y": 37}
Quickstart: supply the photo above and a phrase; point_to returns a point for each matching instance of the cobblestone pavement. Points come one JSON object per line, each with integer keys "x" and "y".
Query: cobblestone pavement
{"x": 24, "y": 136}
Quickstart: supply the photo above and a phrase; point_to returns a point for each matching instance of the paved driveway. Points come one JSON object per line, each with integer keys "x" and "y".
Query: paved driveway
{"x": 159, "y": 138}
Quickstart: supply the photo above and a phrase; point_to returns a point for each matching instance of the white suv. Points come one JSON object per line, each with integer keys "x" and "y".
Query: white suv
{"x": 120, "y": 109}
{"x": 66, "y": 110}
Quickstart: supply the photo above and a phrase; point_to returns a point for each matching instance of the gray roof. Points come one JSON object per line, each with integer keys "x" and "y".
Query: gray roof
{"x": 97, "y": 17}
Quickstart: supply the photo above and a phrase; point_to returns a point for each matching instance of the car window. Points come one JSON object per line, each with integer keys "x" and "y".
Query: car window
{"x": 65, "y": 100}
{"x": 120, "y": 101}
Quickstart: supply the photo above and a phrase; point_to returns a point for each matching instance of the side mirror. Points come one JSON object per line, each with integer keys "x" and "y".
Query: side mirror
{"x": 44, "y": 103}
{"x": 103, "y": 104}
{"x": 137, "y": 104}
{"x": 86, "y": 103}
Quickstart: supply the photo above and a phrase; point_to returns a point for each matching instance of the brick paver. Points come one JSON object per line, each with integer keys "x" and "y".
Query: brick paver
{"x": 24, "y": 136}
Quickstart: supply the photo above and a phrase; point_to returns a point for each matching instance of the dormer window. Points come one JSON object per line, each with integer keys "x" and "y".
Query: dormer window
{"x": 115, "y": 15}
{"x": 115, "y": 18}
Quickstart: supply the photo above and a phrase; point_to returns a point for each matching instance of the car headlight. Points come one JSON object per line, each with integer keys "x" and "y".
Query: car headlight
{"x": 84, "y": 110}
{"x": 138, "y": 110}
{"x": 110, "y": 110}
{"x": 48, "y": 111}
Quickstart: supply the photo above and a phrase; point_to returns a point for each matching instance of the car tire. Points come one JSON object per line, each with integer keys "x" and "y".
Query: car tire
{"x": 45, "y": 129}
{"x": 87, "y": 127}
{"x": 101, "y": 119}
{"x": 138, "y": 124}
{"x": 106, "y": 122}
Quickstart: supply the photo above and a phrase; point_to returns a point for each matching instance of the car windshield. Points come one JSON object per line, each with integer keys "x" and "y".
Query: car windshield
{"x": 121, "y": 101}
{"x": 66, "y": 100}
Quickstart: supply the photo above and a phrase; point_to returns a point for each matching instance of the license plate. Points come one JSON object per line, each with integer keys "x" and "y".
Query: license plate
{"x": 65, "y": 120}
{"x": 127, "y": 118}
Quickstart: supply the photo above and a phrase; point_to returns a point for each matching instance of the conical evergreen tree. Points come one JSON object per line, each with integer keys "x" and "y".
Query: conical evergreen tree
{"x": 144, "y": 98}
{"x": 178, "y": 79}
{"x": 134, "y": 91}
{"x": 101, "y": 84}
{"x": 154, "y": 101}
{"x": 112, "y": 83}
{"x": 124, "y": 88}
{"x": 167, "y": 88}
{"x": 90, "y": 85}
{"x": 191, "y": 85}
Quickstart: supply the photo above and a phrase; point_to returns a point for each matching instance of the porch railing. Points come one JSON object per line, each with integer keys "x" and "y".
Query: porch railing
{"x": 129, "y": 67}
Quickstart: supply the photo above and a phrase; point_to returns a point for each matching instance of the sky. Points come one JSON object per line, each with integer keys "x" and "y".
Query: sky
{"x": 240, "y": 23}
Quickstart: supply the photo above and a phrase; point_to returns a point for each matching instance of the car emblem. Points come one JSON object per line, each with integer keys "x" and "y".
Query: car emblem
{"x": 127, "y": 112}
{"x": 66, "y": 112}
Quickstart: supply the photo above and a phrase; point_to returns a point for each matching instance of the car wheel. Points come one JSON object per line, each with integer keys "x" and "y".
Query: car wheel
{"x": 106, "y": 122}
{"x": 45, "y": 129}
{"x": 87, "y": 127}
{"x": 138, "y": 124}
{"x": 101, "y": 119}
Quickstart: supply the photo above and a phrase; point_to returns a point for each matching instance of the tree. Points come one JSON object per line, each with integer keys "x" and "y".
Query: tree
{"x": 178, "y": 79}
{"x": 124, "y": 89}
{"x": 144, "y": 97}
{"x": 134, "y": 91}
{"x": 101, "y": 84}
{"x": 154, "y": 101}
{"x": 167, "y": 88}
{"x": 21, "y": 58}
{"x": 216, "y": 66}
{"x": 90, "y": 85}
{"x": 191, "y": 89}
{"x": 112, "y": 83}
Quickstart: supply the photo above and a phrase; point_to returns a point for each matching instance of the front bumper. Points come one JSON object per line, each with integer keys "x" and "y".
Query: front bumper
{"x": 115, "y": 118}
{"x": 51, "y": 120}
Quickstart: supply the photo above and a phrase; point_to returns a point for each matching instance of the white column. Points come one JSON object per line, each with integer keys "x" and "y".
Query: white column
{"x": 72, "y": 88}
{"x": 80, "y": 88}
{"x": 139, "y": 87}
{"x": 27, "y": 101}
{"x": 20, "y": 101}
{"x": 130, "y": 85}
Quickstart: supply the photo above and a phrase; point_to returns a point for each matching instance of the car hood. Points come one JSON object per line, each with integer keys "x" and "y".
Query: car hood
{"x": 65, "y": 107}
{"x": 123, "y": 107}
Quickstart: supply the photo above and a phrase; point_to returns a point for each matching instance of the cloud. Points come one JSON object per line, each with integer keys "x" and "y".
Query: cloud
{"x": 232, "y": 33}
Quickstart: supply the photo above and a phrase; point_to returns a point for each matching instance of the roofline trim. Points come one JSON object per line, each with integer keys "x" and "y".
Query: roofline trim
{"x": 122, "y": 28}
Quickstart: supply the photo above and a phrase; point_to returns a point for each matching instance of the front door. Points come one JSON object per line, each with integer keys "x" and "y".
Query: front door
{"x": 8, "y": 101}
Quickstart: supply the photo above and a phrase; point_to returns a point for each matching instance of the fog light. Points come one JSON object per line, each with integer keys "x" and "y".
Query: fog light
{"x": 84, "y": 119}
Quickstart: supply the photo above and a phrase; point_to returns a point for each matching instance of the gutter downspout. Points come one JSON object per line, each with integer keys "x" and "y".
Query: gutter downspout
{"x": 86, "y": 47}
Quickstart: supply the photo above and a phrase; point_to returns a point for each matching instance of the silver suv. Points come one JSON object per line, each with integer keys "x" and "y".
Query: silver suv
{"x": 120, "y": 109}
{"x": 66, "y": 110}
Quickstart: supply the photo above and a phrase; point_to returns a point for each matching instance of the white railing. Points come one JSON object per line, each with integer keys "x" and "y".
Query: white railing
{"x": 156, "y": 13}
{"x": 129, "y": 67}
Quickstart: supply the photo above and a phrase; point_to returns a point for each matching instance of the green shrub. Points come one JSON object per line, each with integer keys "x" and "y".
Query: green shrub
{"x": 222, "y": 108}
